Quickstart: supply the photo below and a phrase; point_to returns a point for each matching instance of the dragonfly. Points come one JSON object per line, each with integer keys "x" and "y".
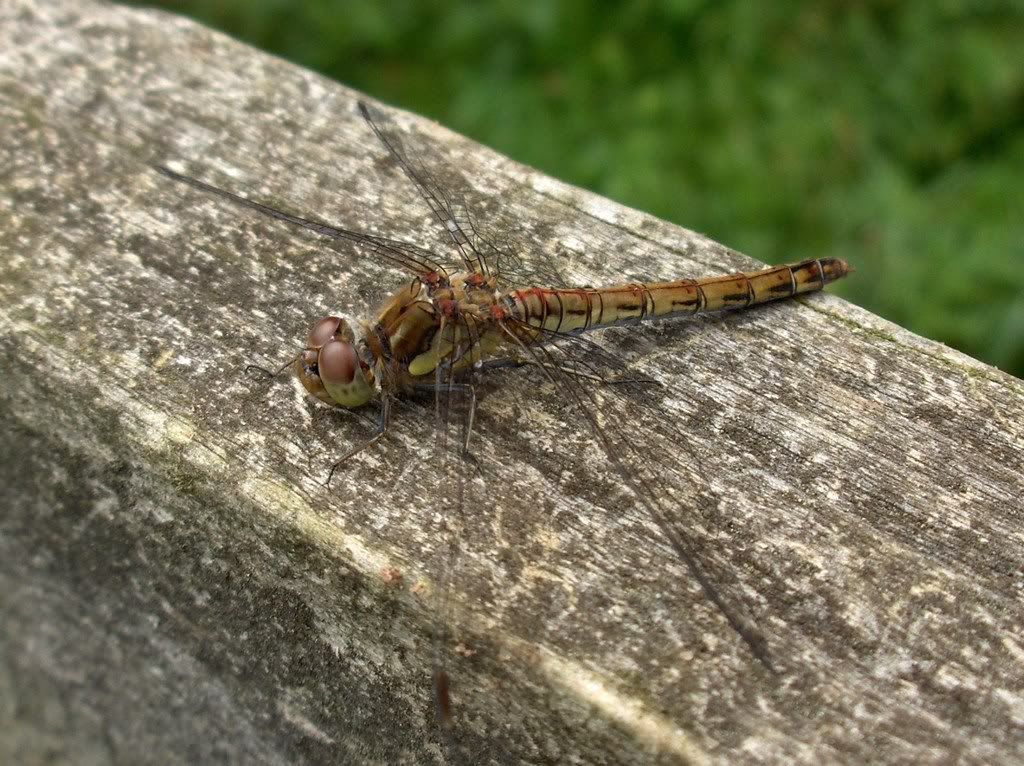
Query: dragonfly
{"x": 457, "y": 318}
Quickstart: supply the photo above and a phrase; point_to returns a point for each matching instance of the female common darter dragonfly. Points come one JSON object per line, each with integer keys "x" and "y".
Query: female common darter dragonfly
{"x": 450, "y": 323}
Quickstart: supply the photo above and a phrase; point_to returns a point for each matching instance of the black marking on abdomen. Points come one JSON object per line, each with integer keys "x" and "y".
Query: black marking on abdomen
{"x": 734, "y": 297}
{"x": 687, "y": 303}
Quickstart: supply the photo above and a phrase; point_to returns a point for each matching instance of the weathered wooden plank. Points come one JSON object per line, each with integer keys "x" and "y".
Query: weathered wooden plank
{"x": 176, "y": 585}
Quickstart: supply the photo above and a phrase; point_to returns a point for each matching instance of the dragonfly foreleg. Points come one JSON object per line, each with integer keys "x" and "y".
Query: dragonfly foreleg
{"x": 268, "y": 373}
{"x": 382, "y": 429}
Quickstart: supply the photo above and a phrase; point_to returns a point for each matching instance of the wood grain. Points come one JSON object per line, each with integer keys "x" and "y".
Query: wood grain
{"x": 177, "y": 586}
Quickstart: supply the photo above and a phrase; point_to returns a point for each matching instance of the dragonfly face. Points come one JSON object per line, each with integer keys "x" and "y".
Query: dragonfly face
{"x": 330, "y": 368}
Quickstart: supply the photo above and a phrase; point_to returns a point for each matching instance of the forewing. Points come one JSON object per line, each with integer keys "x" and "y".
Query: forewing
{"x": 435, "y": 196}
{"x": 415, "y": 260}
{"x": 487, "y": 249}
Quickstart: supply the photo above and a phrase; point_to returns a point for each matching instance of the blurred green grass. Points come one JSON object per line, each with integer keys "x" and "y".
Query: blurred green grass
{"x": 888, "y": 133}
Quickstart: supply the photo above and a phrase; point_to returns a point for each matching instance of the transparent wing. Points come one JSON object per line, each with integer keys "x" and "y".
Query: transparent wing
{"x": 489, "y": 250}
{"x": 619, "y": 410}
{"x": 441, "y": 204}
{"x": 415, "y": 260}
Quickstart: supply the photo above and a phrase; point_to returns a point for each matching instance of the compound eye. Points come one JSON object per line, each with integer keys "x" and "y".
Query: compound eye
{"x": 323, "y": 331}
{"x": 342, "y": 374}
{"x": 338, "y": 363}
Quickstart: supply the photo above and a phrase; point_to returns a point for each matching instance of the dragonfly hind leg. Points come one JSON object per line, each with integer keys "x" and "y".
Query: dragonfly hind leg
{"x": 462, "y": 389}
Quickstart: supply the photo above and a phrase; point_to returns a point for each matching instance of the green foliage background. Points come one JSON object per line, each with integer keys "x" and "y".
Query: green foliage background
{"x": 889, "y": 133}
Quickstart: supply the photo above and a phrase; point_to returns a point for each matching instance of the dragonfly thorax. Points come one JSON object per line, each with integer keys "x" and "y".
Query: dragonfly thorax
{"x": 330, "y": 367}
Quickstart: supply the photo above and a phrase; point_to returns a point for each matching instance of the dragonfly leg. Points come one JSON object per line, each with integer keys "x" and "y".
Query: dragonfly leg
{"x": 269, "y": 373}
{"x": 382, "y": 429}
{"x": 469, "y": 422}
{"x": 458, "y": 388}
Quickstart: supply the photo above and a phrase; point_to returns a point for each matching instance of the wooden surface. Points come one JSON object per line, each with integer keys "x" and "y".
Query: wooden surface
{"x": 176, "y": 586}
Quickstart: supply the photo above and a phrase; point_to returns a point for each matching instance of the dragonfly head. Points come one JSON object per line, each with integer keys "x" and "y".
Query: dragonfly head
{"x": 330, "y": 367}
